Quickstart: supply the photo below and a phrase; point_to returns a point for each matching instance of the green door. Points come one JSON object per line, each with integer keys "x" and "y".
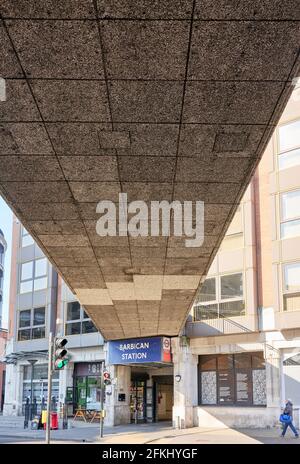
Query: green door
{"x": 80, "y": 389}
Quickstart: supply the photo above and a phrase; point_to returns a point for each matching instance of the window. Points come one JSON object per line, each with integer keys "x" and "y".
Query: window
{"x": 238, "y": 379}
{"x": 26, "y": 238}
{"x": 220, "y": 297}
{"x": 1, "y": 254}
{"x": 289, "y": 145}
{"x": 289, "y": 136}
{"x": 40, "y": 385}
{"x": 32, "y": 324}
{"x": 208, "y": 290}
{"x": 78, "y": 321}
{"x": 236, "y": 226}
{"x": 231, "y": 286}
{"x": 292, "y": 361}
{"x": 290, "y": 214}
{"x": 232, "y": 242}
{"x": 33, "y": 275}
{"x": 73, "y": 311}
{"x": 40, "y": 267}
{"x": 24, "y": 320}
{"x": 291, "y": 287}
{"x": 289, "y": 159}
{"x": 40, "y": 284}
{"x": 234, "y": 238}
{"x": 27, "y": 271}
{"x": 292, "y": 277}
{"x": 290, "y": 204}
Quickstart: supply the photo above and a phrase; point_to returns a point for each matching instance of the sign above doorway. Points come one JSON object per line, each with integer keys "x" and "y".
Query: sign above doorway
{"x": 140, "y": 351}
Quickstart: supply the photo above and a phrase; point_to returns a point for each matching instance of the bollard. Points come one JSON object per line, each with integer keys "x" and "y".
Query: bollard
{"x": 27, "y": 413}
{"x": 65, "y": 414}
{"x": 34, "y": 408}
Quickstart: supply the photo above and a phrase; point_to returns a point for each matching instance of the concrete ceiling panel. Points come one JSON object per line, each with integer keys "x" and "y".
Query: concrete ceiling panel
{"x": 162, "y": 100}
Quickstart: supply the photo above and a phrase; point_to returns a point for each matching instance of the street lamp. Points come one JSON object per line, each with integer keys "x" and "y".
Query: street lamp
{"x": 32, "y": 363}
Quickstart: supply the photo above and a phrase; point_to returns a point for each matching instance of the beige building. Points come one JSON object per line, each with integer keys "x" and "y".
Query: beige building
{"x": 244, "y": 331}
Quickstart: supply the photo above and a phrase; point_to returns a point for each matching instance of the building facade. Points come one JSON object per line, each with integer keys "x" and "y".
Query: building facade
{"x": 3, "y": 332}
{"x": 244, "y": 331}
{"x": 140, "y": 393}
{"x": 3, "y": 338}
{"x": 238, "y": 358}
{"x": 36, "y": 291}
{"x": 3, "y": 247}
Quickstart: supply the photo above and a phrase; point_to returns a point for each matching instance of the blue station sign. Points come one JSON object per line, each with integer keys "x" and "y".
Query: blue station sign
{"x": 139, "y": 350}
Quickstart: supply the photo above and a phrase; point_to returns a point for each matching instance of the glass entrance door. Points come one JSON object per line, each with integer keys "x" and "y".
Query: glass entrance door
{"x": 93, "y": 393}
{"x": 87, "y": 393}
{"x": 80, "y": 388}
{"x": 138, "y": 401}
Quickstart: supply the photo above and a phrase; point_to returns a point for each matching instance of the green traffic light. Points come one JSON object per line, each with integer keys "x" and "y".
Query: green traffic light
{"x": 62, "y": 363}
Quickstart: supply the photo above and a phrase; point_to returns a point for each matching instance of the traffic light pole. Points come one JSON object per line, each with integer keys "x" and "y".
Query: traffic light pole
{"x": 50, "y": 371}
{"x": 101, "y": 401}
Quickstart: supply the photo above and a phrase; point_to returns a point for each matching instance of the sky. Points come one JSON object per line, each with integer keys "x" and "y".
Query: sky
{"x": 6, "y": 218}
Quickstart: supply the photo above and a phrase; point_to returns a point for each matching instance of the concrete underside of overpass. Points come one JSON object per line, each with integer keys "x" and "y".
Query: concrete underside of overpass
{"x": 163, "y": 100}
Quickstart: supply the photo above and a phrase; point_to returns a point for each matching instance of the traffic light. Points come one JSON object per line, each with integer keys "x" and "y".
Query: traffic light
{"x": 106, "y": 378}
{"x": 60, "y": 356}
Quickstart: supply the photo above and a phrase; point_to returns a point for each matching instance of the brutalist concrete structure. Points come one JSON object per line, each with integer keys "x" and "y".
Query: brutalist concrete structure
{"x": 170, "y": 101}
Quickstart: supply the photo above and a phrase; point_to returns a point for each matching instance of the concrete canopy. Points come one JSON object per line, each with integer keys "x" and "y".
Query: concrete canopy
{"x": 161, "y": 99}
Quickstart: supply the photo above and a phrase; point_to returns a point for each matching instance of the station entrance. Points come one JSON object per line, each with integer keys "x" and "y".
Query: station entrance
{"x": 151, "y": 395}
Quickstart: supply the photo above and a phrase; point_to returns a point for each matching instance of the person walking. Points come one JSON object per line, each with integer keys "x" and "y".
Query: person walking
{"x": 288, "y": 410}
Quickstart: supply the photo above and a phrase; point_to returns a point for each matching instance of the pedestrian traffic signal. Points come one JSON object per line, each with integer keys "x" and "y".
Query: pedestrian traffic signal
{"x": 106, "y": 378}
{"x": 60, "y": 355}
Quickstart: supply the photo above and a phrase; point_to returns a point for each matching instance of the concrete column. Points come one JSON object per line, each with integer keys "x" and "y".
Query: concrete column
{"x": 10, "y": 404}
{"x": 13, "y": 390}
{"x": 273, "y": 379}
{"x": 185, "y": 391}
{"x": 118, "y": 412}
{"x": 19, "y": 388}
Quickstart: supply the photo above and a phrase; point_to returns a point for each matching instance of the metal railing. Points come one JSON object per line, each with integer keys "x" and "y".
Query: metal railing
{"x": 35, "y": 409}
{"x": 222, "y": 325}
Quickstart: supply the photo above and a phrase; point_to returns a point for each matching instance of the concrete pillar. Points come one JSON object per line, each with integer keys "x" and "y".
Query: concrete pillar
{"x": 273, "y": 379}
{"x": 118, "y": 412}
{"x": 186, "y": 390}
{"x": 10, "y": 404}
{"x": 13, "y": 390}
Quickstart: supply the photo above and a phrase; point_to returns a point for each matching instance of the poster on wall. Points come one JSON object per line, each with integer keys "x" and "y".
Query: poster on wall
{"x": 225, "y": 387}
{"x": 209, "y": 387}
{"x": 243, "y": 387}
{"x": 259, "y": 387}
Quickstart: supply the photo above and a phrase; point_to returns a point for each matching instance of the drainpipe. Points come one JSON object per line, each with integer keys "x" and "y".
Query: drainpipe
{"x": 256, "y": 208}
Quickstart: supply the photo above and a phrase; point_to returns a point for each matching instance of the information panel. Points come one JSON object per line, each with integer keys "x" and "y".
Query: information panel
{"x": 225, "y": 387}
{"x": 243, "y": 387}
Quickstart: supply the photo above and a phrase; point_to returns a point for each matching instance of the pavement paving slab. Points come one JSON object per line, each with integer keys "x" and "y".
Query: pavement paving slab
{"x": 12, "y": 431}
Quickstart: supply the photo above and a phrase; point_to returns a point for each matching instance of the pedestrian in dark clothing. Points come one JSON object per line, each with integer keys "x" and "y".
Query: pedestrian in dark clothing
{"x": 288, "y": 410}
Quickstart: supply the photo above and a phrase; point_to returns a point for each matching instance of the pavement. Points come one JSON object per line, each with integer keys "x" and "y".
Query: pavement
{"x": 12, "y": 431}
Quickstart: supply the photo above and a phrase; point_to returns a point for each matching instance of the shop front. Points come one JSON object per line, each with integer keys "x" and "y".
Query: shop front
{"x": 39, "y": 381}
{"x": 85, "y": 393}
